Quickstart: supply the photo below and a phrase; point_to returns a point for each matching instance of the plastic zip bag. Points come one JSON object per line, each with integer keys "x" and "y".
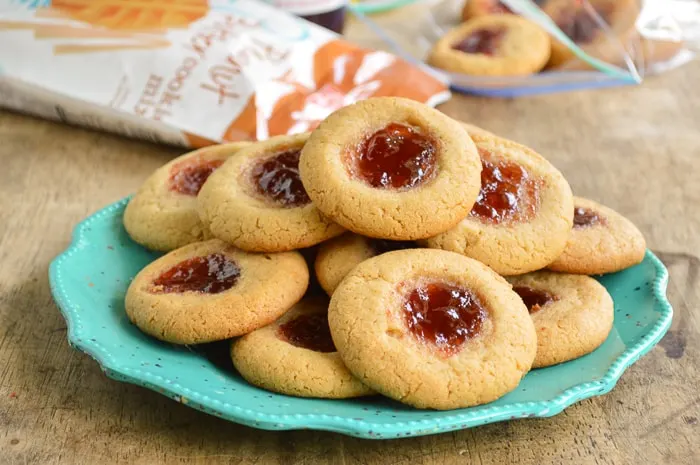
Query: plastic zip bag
{"x": 662, "y": 34}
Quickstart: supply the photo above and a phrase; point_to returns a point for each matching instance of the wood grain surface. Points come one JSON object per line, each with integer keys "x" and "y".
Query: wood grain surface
{"x": 635, "y": 149}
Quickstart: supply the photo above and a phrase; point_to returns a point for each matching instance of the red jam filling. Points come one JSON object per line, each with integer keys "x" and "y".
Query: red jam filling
{"x": 443, "y": 315}
{"x": 277, "y": 178}
{"x": 380, "y": 246}
{"x": 308, "y": 332}
{"x": 585, "y": 217}
{"x": 582, "y": 27}
{"x": 211, "y": 274}
{"x": 534, "y": 299}
{"x": 484, "y": 41}
{"x": 397, "y": 157}
{"x": 508, "y": 192}
{"x": 189, "y": 176}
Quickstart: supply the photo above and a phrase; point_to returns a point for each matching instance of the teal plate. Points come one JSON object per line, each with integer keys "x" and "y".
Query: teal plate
{"x": 89, "y": 280}
{"x": 378, "y": 6}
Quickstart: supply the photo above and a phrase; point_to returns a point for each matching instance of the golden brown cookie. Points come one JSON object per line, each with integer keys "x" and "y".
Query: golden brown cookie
{"x": 601, "y": 241}
{"x": 432, "y": 329}
{"x": 496, "y": 45}
{"x": 477, "y": 8}
{"x": 654, "y": 52}
{"x": 476, "y": 130}
{"x": 573, "y": 314}
{"x": 391, "y": 168}
{"x": 209, "y": 291}
{"x": 522, "y": 218}
{"x": 163, "y": 215}
{"x": 338, "y": 256}
{"x": 296, "y": 356}
{"x": 646, "y": 53}
{"x": 581, "y": 22}
{"x": 258, "y": 203}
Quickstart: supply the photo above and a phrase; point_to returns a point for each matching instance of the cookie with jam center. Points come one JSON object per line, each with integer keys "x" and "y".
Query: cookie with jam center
{"x": 523, "y": 215}
{"x": 477, "y": 8}
{"x": 496, "y": 45}
{"x": 296, "y": 356}
{"x": 338, "y": 256}
{"x": 476, "y": 130}
{"x": 163, "y": 214}
{"x": 210, "y": 291}
{"x": 391, "y": 168}
{"x": 432, "y": 329}
{"x": 647, "y": 53}
{"x": 573, "y": 314}
{"x": 599, "y": 27}
{"x": 258, "y": 203}
{"x": 601, "y": 241}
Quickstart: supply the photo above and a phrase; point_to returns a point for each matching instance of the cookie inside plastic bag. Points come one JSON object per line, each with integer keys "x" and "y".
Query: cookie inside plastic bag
{"x": 492, "y": 47}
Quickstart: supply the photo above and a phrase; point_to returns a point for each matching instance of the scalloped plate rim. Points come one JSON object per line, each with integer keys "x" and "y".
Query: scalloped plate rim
{"x": 339, "y": 424}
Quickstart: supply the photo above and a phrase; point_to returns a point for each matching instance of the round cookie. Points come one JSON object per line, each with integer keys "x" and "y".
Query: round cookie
{"x": 657, "y": 52}
{"x": 646, "y": 53}
{"x": 338, "y": 256}
{"x": 258, "y": 203}
{"x": 496, "y": 45}
{"x": 573, "y": 314}
{"x": 477, "y": 8}
{"x": 476, "y": 130}
{"x": 391, "y": 168}
{"x": 295, "y": 355}
{"x": 578, "y": 21}
{"x": 601, "y": 241}
{"x": 209, "y": 291}
{"x": 523, "y": 216}
{"x": 432, "y": 329}
{"x": 163, "y": 213}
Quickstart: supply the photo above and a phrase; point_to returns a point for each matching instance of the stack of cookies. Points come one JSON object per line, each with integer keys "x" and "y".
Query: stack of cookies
{"x": 492, "y": 41}
{"x": 449, "y": 261}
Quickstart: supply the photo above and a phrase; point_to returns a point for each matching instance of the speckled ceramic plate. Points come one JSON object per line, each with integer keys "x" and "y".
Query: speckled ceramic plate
{"x": 89, "y": 280}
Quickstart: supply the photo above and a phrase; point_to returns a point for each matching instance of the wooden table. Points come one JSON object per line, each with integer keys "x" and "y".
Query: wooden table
{"x": 634, "y": 149}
